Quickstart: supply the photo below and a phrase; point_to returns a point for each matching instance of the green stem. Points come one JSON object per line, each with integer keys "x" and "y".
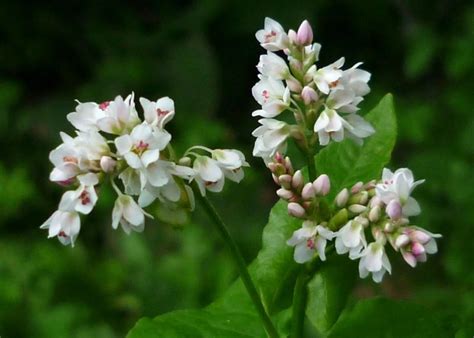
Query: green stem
{"x": 239, "y": 261}
{"x": 311, "y": 165}
{"x": 299, "y": 303}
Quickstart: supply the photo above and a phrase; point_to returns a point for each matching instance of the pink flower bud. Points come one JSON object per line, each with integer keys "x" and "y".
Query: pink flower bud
{"x": 297, "y": 181}
{"x": 402, "y": 240}
{"x": 322, "y": 185}
{"x": 309, "y": 95}
{"x": 278, "y": 157}
{"x": 293, "y": 84}
{"x": 288, "y": 166}
{"x": 107, "y": 164}
{"x": 292, "y": 36}
{"x": 420, "y": 236}
{"x": 394, "y": 209}
{"x": 285, "y": 194}
{"x": 374, "y": 214}
{"x": 409, "y": 258}
{"x": 342, "y": 198}
{"x": 357, "y": 187}
{"x": 296, "y": 210}
{"x": 417, "y": 249}
{"x": 305, "y": 34}
{"x": 357, "y": 208}
{"x": 285, "y": 181}
{"x": 375, "y": 201}
{"x": 308, "y": 191}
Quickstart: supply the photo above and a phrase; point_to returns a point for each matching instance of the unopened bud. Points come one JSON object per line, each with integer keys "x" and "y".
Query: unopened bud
{"x": 338, "y": 219}
{"x": 107, "y": 164}
{"x": 420, "y": 236}
{"x": 292, "y": 36}
{"x": 309, "y": 95}
{"x": 360, "y": 198}
{"x": 394, "y": 209}
{"x": 186, "y": 161}
{"x": 288, "y": 166}
{"x": 375, "y": 201}
{"x": 357, "y": 208}
{"x": 417, "y": 249}
{"x": 296, "y": 210}
{"x": 342, "y": 198}
{"x": 308, "y": 191}
{"x": 388, "y": 227}
{"x": 370, "y": 185}
{"x": 297, "y": 181}
{"x": 305, "y": 34}
{"x": 322, "y": 185}
{"x": 402, "y": 240}
{"x": 362, "y": 220}
{"x": 374, "y": 214}
{"x": 357, "y": 187}
{"x": 294, "y": 85}
{"x": 284, "y": 194}
{"x": 275, "y": 179}
{"x": 285, "y": 181}
{"x": 278, "y": 157}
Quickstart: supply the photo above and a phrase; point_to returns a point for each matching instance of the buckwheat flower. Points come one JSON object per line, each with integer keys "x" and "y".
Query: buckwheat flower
{"x": 327, "y": 77}
{"x": 273, "y": 66}
{"x": 86, "y": 115}
{"x": 354, "y": 80}
{"x": 170, "y": 192}
{"x": 84, "y": 198}
{"x": 329, "y": 125}
{"x": 308, "y": 240}
{"x": 272, "y": 95}
{"x": 415, "y": 243}
{"x": 351, "y": 238}
{"x": 271, "y": 138}
{"x": 374, "y": 260}
{"x": 158, "y": 113}
{"x": 398, "y": 186}
{"x": 272, "y": 37}
{"x": 65, "y": 225}
{"x": 142, "y": 148}
{"x": 304, "y": 36}
{"x": 128, "y": 214}
{"x": 120, "y": 116}
{"x": 208, "y": 174}
{"x": 231, "y": 162}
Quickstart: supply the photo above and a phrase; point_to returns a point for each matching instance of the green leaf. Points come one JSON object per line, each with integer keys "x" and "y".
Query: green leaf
{"x": 384, "y": 318}
{"x": 233, "y": 315}
{"x": 328, "y": 292}
{"x": 347, "y": 163}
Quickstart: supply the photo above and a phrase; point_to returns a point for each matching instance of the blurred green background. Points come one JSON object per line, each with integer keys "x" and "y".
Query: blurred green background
{"x": 203, "y": 54}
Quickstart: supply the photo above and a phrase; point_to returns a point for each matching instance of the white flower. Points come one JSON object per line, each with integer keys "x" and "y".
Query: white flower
{"x": 120, "y": 115}
{"x": 273, "y": 66}
{"x": 158, "y": 113}
{"x": 141, "y": 149}
{"x": 329, "y": 125}
{"x": 374, "y": 260}
{"x": 351, "y": 238}
{"x": 355, "y": 81}
{"x": 272, "y": 37}
{"x": 77, "y": 155}
{"x": 130, "y": 216}
{"x": 271, "y": 138}
{"x": 170, "y": 192}
{"x": 415, "y": 243}
{"x": 208, "y": 174}
{"x": 309, "y": 239}
{"x": 327, "y": 77}
{"x": 86, "y": 115}
{"x": 84, "y": 198}
{"x": 231, "y": 162}
{"x": 63, "y": 224}
{"x": 398, "y": 186}
{"x": 272, "y": 95}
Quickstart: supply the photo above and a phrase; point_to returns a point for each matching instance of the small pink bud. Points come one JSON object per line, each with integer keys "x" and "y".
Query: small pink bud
{"x": 402, "y": 240}
{"x": 288, "y": 166}
{"x": 422, "y": 257}
{"x": 322, "y": 185}
{"x": 409, "y": 258}
{"x": 305, "y": 34}
{"x": 296, "y": 210}
{"x": 394, "y": 209}
{"x": 107, "y": 164}
{"x": 275, "y": 179}
{"x": 417, "y": 249}
{"x": 308, "y": 191}
{"x": 420, "y": 236}
{"x": 292, "y": 36}
{"x": 342, "y": 198}
{"x": 297, "y": 181}
{"x": 278, "y": 157}
{"x": 284, "y": 194}
{"x": 375, "y": 201}
{"x": 285, "y": 181}
{"x": 309, "y": 95}
{"x": 293, "y": 84}
{"x": 374, "y": 214}
{"x": 357, "y": 187}
{"x": 357, "y": 208}
{"x": 271, "y": 166}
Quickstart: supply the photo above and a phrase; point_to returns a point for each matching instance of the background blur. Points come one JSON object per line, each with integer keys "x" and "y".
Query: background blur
{"x": 203, "y": 54}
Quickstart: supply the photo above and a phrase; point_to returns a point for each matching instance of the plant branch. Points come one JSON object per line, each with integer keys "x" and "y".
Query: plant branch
{"x": 239, "y": 261}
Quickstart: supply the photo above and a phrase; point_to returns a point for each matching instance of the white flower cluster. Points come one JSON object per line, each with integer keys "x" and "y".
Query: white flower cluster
{"x": 379, "y": 208}
{"x": 112, "y": 142}
{"x": 323, "y": 100}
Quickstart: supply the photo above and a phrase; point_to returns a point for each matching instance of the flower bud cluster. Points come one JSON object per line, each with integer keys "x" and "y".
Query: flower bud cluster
{"x": 323, "y": 100}
{"x": 380, "y": 209}
{"x": 111, "y": 141}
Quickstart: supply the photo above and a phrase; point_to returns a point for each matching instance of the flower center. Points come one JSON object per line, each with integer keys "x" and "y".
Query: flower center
{"x": 140, "y": 147}
{"x": 310, "y": 243}
{"x": 85, "y": 197}
{"x": 104, "y": 105}
{"x": 266, "y": 94}
{"x": 161, "y": 113}
{"x": 270, "y": 36}
{"x": 70, "y": 159}
{"x": 62, "y": 234}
